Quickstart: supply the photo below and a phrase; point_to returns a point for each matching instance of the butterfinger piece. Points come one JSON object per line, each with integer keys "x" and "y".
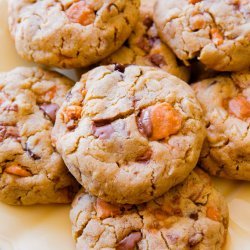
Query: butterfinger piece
{"x": 194, "y": 1}
{"x": 105, "y": 210}
{"x": 240, "y": 107}
{"x": 17, "y": 170}
{"x": 213, "y": 214}
{"x": 72, "y": 113}
{"x": 165, "y": 120}
{"x": 80, "y": 13}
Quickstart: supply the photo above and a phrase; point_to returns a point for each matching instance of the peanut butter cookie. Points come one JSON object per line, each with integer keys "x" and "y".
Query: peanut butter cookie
{"x": 192, "y": 215}
{"x": 215, "y": 32}
{"x": 226, "y": 104}
{"x": 70, "y": 33}
{"x": 31, "y": 171}
{"x": 128, "y": 134}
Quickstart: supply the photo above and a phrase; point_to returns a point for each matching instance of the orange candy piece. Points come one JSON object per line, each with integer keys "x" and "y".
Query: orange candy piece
{"x": 72, "y": 112}
{"x": 165, "y": 121}
{"x": 105, "y": 210}
{"x": 194, "y": 1}
{"x": 81, "y": 13}
{"x": 17, "y": 170}
{"x": 240, "y": 107}
{"x": 213, "y": 214}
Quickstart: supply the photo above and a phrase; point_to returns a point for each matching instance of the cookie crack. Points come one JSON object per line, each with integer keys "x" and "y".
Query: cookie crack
{"x": 120, "y": 116}
{"x": 99, "y": 236}
{"x": 152, "y": 180}
{"x": 79, "y": 232}
{"x": 164, "y": 239}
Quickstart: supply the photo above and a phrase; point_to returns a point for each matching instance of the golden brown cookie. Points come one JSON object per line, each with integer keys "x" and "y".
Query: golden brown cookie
{"x": 192, "y": 215}
{"x": 226, "y": 104}
{"x": 215, "y": 32}
{"x": 70, "y": 33}
{"x": 31, "y": 170}
{"x": 128, "y": 134}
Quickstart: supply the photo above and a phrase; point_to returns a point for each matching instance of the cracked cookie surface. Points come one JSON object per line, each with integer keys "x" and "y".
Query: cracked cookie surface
{"x": 192, "y": 215}
{"x": 145, "y": 48}
{"x": 226, "y": 104}
{"x": 128, "y": 134}
{"x": 203, "y": 29}
{"x": 31, "y": 171}
{"x": 70, "y": 33}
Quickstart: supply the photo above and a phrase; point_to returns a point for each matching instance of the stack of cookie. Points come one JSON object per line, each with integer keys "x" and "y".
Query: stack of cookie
{"x": 131, "y": 130}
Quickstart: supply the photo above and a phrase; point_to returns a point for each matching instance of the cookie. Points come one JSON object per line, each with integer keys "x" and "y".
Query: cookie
{"x": 31, "y": 170}
{"x": 128, "y": 134}
{"x": 192, "y": 215}
{"x": 145, "y": 48}
{"x": 70, "y": 33}
{"x": 226, "y": 104}
{"x": 205, "y": 30}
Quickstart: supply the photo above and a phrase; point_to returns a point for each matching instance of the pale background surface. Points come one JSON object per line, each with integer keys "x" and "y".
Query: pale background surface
{"x": 48, "y": 227}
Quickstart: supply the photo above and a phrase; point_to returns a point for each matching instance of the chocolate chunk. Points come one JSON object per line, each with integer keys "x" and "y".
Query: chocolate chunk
{"x": 157, "y": 60}
{"x": 31, "y": 154}
{"x": 120, "y": 67}
{"x": 194, "y": 216}
{"x": 145, "y": 157}
{"x": 103, "y": 132}
{"x": 144, "y": 123}
{"x": 129, "y": 242}
{"x": 50, "y": 110}
{"x": 148, "y": 21}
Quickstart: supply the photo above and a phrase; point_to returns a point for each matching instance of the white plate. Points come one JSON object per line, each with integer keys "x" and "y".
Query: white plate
{"x": 48, "y": 227}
